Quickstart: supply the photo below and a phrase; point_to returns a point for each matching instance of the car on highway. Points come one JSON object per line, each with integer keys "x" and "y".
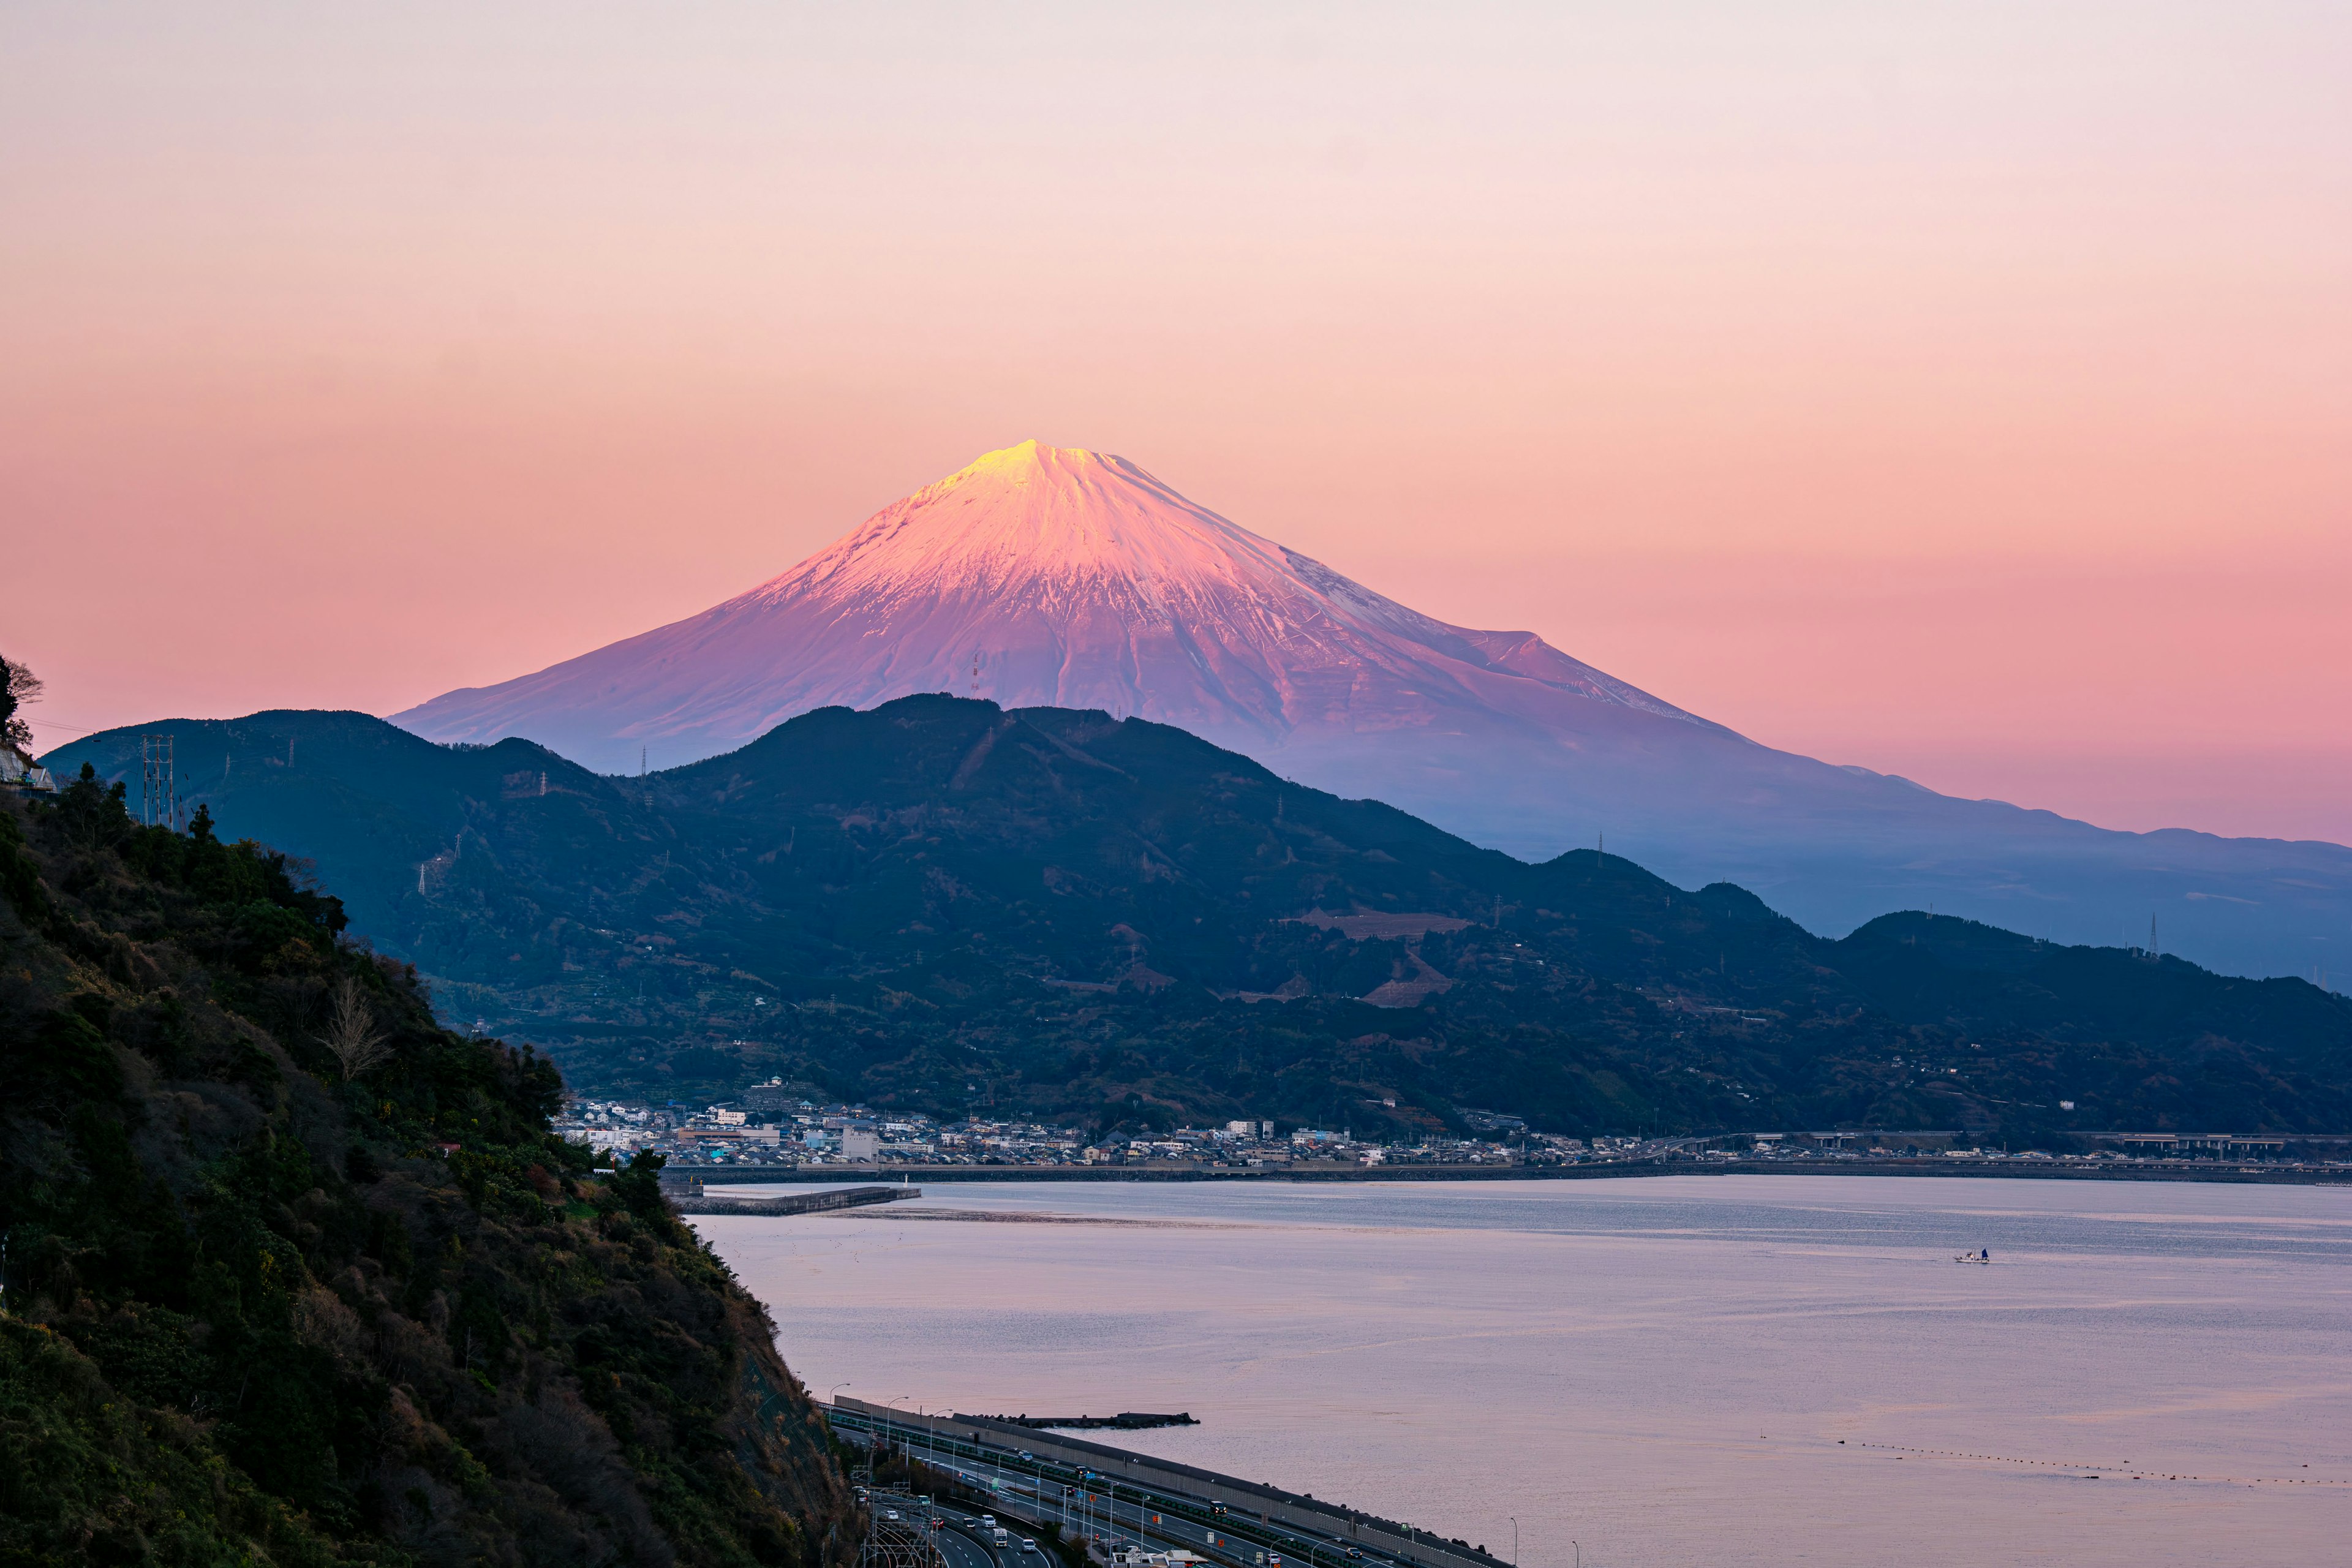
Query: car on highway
{"x": 890, "y": 1513}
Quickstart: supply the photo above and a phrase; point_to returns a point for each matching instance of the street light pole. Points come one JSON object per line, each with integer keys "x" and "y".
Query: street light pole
{"x": 886, "y": 1420}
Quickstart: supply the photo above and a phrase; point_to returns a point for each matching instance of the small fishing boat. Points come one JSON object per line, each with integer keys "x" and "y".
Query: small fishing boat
{"x": 1983, "y": 1255}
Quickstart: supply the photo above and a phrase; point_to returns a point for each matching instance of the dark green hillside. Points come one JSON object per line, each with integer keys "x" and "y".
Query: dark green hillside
{"x": 295, "y": 1276}
{"x": 369, "y": 801}
{"x": 937, "y": 903}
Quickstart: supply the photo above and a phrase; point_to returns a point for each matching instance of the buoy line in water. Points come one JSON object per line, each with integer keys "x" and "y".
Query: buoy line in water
{"x": 2095, "y": 1472}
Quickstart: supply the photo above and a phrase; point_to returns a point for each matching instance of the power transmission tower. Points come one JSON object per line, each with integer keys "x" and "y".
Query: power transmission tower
{"x": 159, "y": 784}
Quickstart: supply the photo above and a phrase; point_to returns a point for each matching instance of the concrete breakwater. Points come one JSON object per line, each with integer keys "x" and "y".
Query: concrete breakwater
{"x": 689, "y": 1198}
{"x": 1125, "y": 1421}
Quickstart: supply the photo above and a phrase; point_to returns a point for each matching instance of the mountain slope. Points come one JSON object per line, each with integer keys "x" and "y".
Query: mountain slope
{"x": 260, "y": 1310}
{"x": 1115, "y": 922}
{"x": 1037, "y": 576}
{"x": 1044, "y": 576}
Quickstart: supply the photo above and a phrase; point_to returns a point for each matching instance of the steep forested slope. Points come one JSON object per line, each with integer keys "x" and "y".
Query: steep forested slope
{"x": 939, "y": 903}
{"x": 294, "y": 1275}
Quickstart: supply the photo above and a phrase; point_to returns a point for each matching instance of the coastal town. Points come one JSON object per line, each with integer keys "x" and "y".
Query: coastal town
{"x": 791, "y": 1127}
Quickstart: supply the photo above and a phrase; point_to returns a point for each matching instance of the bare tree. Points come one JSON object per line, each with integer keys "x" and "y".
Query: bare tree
{"x": 351, "y": 1033}
{"x": 19, "y": 686}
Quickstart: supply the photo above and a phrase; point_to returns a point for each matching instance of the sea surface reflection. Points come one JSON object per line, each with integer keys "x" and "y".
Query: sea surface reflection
{"x": 1704, "y": 1369}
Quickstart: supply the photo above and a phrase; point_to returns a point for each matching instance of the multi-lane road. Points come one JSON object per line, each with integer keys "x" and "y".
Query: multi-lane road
{"x": 1034, "y": 1493}
{"x": 961, "y": 1541}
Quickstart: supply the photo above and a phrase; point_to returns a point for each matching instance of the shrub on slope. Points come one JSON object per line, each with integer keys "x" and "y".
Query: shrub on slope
{"x": 258, "y": 1311}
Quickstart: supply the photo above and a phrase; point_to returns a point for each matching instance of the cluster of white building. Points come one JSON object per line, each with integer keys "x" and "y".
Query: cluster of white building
{"x": 613, "y": 1127}
{"x": 770, "y": 1126}
{"x": 775, "y": 1123}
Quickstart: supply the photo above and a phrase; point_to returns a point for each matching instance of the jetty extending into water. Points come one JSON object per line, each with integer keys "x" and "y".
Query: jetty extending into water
{"x": 1125, "y": 1421}
{"x": 687, "y": 1195}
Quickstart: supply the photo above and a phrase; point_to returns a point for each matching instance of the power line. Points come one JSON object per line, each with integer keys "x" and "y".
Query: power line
{"x": 53, "y": 724}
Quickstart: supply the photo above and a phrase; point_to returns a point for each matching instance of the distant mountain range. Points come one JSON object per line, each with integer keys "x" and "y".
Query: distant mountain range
{"x": 940, "y": 904}
{"x": 1044, "y": 576}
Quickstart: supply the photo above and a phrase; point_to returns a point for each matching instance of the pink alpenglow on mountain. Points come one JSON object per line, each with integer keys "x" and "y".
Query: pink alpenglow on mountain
{"x": 1053, "y": 576}
{"x": 1037, "y": 576}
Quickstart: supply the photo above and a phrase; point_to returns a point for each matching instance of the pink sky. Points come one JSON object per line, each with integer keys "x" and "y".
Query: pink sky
{"x": 1963, "y": 391}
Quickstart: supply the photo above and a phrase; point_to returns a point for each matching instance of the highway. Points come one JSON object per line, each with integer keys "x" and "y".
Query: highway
{"x": 960, "y": 1539}
{"x": 963, "y": 1540}
{"x": 1036, "y": 1493}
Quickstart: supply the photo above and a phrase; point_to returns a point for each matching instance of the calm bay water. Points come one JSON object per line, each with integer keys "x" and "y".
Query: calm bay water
{"x": 1705, "y": 1370}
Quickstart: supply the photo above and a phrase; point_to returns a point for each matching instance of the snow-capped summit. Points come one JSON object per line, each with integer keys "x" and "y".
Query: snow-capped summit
{"x": 1032, "y": 519}
{"x": 1038, "y": 575}
{"x": 1044, "y": 575}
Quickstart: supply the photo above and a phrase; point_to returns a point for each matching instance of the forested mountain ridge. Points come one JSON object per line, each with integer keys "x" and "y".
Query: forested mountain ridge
{"x": 939, "y": 903}
{"x": 296, "y": 1276}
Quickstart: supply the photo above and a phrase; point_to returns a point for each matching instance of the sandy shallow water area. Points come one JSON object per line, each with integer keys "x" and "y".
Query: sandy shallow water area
{"x": 1721, "y": 1370}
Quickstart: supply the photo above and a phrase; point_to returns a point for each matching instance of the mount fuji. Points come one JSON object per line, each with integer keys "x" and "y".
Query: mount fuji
{"x": 1047, "y": 576}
